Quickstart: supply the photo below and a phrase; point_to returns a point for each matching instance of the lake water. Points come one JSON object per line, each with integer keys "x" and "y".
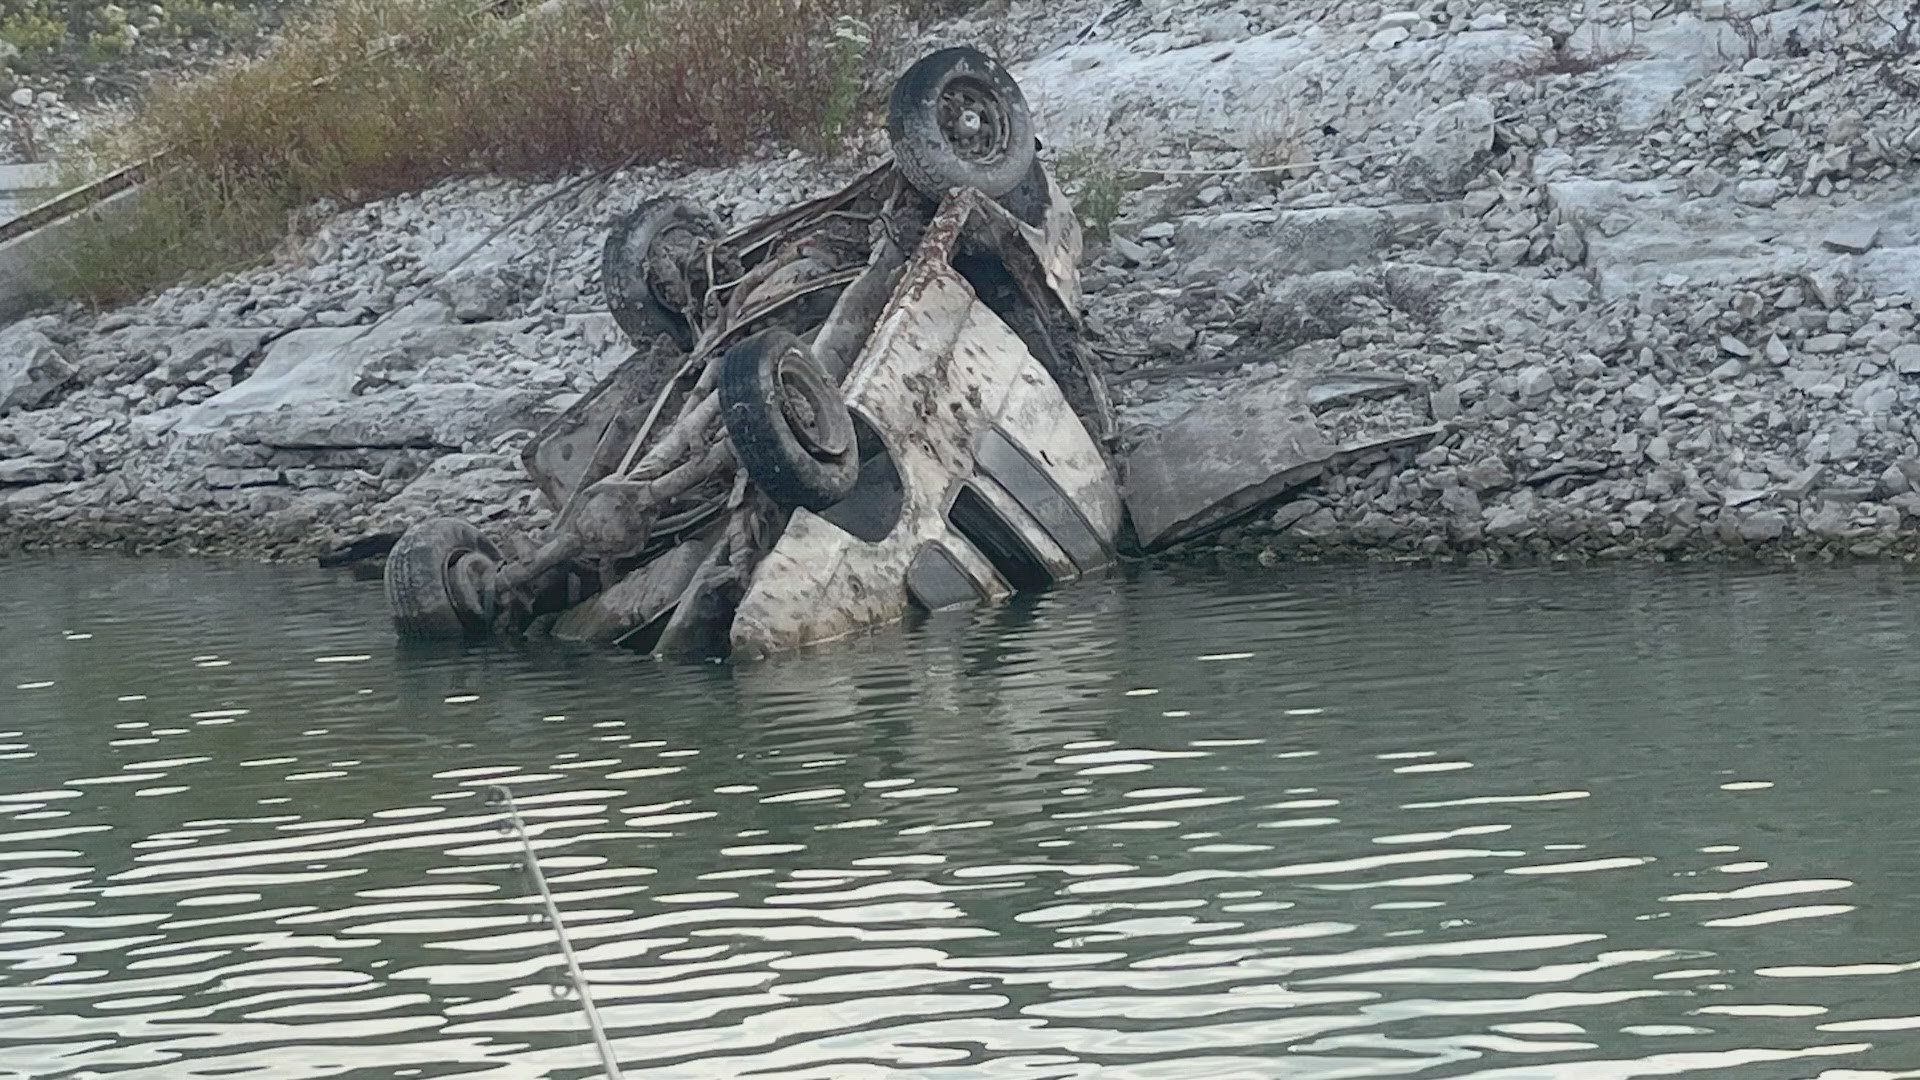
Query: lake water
{"x": 1304, "y": 823}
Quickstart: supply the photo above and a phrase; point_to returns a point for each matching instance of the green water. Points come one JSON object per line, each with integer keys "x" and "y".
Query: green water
{"x": 1305, "y": 824}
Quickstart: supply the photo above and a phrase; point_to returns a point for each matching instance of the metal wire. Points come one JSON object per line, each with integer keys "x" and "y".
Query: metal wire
{"x": 499, "y": 795}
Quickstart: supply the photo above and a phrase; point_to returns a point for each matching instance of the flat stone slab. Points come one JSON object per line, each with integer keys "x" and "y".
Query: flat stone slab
{"x": 1642, "y": 232}
{"x": 445, "y": 416}
{"x": 319, "y": 366}
{"x": 1227, "y": 90}
{"x": 1853, "y": 237}
{"x": 1221, "y": 459}
{"x": 1281, "y": 244}
{"x": 302, "y": 367}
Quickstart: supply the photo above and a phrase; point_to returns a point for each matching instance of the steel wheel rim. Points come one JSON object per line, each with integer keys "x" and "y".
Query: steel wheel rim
{"x": 662, "y": 275}
{"x": 805, "y": 413}
{"x": 974, "y": 122}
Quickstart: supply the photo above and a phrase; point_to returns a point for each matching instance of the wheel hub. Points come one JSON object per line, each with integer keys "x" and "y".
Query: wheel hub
{"x": 803, "y": 416}
{"x": 669, "y": 270}
{"x": 472, "y": 586}
{"x": 975, "y": 124}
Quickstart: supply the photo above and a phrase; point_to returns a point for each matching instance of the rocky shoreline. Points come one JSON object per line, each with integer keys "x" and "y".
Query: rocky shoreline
{"x": 1653, "y": 280}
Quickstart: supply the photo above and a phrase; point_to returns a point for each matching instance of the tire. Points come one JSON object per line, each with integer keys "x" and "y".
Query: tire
{"x": 790, "y": 428}
{"x": 637, "y": 305}
{"x": 420, "y": 580}
{"x": 932, "y": 145}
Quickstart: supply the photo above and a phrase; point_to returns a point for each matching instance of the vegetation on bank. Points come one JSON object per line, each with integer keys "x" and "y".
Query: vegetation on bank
{"x": 370, "y": 98}
{"x": 89, "y": 41}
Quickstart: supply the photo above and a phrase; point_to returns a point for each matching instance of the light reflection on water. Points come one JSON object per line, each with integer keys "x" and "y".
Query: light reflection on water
{"x": 1311, "y": 823}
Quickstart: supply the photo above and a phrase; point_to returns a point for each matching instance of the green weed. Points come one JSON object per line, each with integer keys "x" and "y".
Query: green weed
{"x": 1097, "y": 186}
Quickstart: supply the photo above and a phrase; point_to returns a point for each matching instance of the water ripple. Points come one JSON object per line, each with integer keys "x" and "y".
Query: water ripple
{"x": 1362, "y": 823}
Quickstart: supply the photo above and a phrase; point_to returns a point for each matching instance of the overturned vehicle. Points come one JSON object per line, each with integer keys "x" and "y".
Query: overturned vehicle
{"x": 873, "y": 403}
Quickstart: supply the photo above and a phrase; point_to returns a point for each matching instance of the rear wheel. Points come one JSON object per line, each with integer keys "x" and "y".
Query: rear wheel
{"x": 790, "y": 428}
{"x": 439, "y": 580}
{"x": 957, "y": 119}
{"x": 652, "y": 267}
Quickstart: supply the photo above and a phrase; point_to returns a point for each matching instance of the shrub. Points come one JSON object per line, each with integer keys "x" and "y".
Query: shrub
{"x": 32, "y": 30}
{"x": 1097, "y": 187}
{"x": 183, "y": 226}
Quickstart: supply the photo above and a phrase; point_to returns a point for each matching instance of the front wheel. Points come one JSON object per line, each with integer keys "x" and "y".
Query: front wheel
{"x": 957, "y": 119}
{"x": 790, "y": 428}
{"x": 439, "y": 580}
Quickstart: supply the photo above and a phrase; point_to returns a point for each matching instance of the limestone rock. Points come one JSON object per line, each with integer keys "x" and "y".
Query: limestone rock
{"x": 1536, "y": 383}
{"x": 486, "y": 291}
{"x": 32, "y": 367}
{"x": 29, "y": 471}
{"x": 1449, "y": 152}
{"x": 1854, "y": 238}
{"x": 1763, "y": 525}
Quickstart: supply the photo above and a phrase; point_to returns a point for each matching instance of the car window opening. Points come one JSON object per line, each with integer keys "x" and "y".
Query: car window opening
{"x": 871, "y": 511}
{"x": 983, "y": 526}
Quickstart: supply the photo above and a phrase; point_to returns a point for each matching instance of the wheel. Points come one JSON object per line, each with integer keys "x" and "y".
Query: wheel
{"x": 646, "y": 268}
{"x": 956, "y": 120}
{"x": 438, "y": 580}
{"x": 790, "y": 428}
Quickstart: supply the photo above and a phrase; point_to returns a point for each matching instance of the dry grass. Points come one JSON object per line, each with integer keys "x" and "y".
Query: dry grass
{"x": 1274, "y": 137}
{"x": 379, "y": 97}
{"x": 185, "y": 226}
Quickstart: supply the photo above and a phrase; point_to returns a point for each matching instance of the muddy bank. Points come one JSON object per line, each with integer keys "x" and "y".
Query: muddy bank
{"x": 1647, "y": 283}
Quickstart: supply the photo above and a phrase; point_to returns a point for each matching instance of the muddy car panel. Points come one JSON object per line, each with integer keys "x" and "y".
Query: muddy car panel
{"x": 1060, "y": 247}
{"x": 942, "y": 378}
{"x": 1075, "y": 469}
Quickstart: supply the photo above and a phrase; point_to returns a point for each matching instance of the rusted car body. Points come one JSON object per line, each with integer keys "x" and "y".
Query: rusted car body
{"x": 873, "y": 403}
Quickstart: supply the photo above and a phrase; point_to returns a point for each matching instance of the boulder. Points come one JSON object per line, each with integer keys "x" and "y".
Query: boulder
{"x": 32, "y": 367}
{"x": 1451, "y": 149}
{"x": 487, "y": 291}
{"x": 1221, "y": 459}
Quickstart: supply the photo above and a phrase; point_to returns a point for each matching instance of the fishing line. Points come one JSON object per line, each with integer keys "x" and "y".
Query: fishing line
{"x": 498, "y": 795}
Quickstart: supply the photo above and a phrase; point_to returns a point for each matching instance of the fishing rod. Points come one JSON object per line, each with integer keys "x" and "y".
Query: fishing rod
{"x": 498, "y": 795}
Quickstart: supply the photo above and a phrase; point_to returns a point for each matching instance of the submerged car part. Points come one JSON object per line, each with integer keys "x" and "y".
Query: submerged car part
{"x": 998, "y": 484}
